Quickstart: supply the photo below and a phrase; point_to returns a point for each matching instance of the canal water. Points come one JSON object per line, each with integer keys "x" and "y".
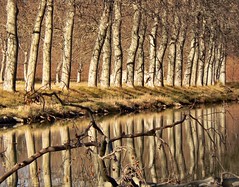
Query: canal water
{"x": 204, "y": 145}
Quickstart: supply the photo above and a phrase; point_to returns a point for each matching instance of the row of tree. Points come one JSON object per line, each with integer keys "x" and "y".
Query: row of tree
{"x": 139, "y": 42}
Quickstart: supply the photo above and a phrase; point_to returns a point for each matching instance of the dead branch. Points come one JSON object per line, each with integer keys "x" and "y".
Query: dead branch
{"x": 151, "y": 132}
{"x": 43, "y": 151}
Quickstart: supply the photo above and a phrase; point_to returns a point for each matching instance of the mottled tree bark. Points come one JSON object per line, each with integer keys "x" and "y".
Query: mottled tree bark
{"x": 118, "y": 53}
{"x": 32, "y": 62}
{"x": 153, "y": 52}
{"x": 190, "y": 59}
{"x": 3, "y": 62}
{"x": 179, "y": 53}
{"x": 132, "y": 51}
{"x": 159, "y": 77}
{"x": 139, "y": 73}
{"x": 46, "y": 70}
{"x": 107, "y": 52}
{"x": 9, "y": 83}
{"x": 94, "y": 63}
{"x": 67, "y": 45}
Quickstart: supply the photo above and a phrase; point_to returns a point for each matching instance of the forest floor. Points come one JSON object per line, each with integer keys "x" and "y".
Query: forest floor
{"x": 42, "y": 106}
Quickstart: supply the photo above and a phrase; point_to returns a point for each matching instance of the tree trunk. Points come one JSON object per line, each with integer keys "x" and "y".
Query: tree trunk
{"x": 159, "y": 77}
{"x": 190, "y": 59}
{"x": 46, "y": 71}
{"x": 171, "y": 60}
{"x": 93, "y": 69}
{"x": 3, "y": 62}
{"x": 202, "y": 53}
{"x": 79, "y": 72}
{"x": 222, "y": 71}
{"x": 9, "y": 83}
{"x": 153, "y": 52}
{"x": 118, "y": 54}
{"x": 139, "y": 76}
{"x": 32, "y": 62}
{"x": 67, "y": 45}
{"x": 58, "y": 71}
{"x": 134, "y": 44}
{"x": 172, "y": 54}
{"x": 194, "y": 71}
{"x": 106, "y": 65}
{"x": 179, "y": 55}
{"x": 25, "y": 65}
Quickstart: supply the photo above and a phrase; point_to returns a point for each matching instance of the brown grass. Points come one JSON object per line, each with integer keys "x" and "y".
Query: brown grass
{"x": 109, "y": 99}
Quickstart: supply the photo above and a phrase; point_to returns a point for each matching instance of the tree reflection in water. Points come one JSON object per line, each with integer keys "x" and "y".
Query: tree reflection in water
{"x": 186, "y": 152}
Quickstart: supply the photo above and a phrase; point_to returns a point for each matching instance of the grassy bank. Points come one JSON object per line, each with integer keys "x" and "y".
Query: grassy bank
{"x": 112, "y": 100}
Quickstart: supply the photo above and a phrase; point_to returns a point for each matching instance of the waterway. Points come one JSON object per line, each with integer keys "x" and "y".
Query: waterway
{"x": 204, "y": 145}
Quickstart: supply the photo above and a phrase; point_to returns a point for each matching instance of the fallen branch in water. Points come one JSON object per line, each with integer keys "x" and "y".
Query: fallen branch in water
{"x": 151, "y": 132}
{"x": 40, "y": 153}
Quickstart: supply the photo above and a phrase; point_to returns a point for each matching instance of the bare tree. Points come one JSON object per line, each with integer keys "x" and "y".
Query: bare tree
{"x": 107, "y": 53}
{"x": 102, "y": 32}
{"x": 132, "y": 51}
{"x": 67, "y": 45}
{"x": 46, "y": 71}
{"x": 32, "y": 62}
{"x": 3, "y": 62}
{"x": 118, "y": 54}
{"x": 9, "y": 83}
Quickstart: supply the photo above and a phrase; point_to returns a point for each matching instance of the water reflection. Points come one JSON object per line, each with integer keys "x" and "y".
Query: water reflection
{"x": 193, "y": 150}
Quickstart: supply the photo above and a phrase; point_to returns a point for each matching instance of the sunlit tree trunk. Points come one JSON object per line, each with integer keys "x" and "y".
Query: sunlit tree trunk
{"x": 222, "y": 70}
{"x": 132, "y": 51}
{"x": 139, "y": 72}
{"x": 194, "y": 71}
{"x": 46, "y": 70}
{"x": 118, "y": 54}
{"x": 189, "y": 63}
{"x": 32, "y": 61}
{"x": 209, "y": 60}
{"x": 9, "y": 83}
{"x": 153, "y": 51}
{"x": 107, "y": 52}
{"x": 67, "y": 45}
{"x": 102, "y": 32}
{"x": 58, "y": 71}
{"x": 172, "y": 51}
{"x": 79, "y": 73}
{"x": 10, "y": 156}
{"x": 3, "y": 62}
{"x": 30, "y": 151}
{"x": 202, "y": 53}
{"x": 179, "y": 53}
{"x": 159, "y": 77}
{"x": 25, "y": 65}
{"x": 46, "y": 158}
